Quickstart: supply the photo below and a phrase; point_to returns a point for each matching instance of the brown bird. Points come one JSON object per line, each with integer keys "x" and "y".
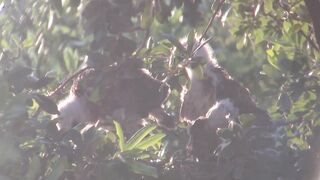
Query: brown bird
{"x": 216, "y": 84}
{"x": 202, "y": 92}
{"x": 127, "y": 89}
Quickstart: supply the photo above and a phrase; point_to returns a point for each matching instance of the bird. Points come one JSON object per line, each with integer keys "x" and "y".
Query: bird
{"x": 203, "y": 138}
{"x": 216, "y": 84}
{"x": 126, "y": 91}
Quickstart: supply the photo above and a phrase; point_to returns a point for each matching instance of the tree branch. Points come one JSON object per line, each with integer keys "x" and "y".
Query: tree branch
{"x": 214, "y": 14}
{"x": 67, "y": 81}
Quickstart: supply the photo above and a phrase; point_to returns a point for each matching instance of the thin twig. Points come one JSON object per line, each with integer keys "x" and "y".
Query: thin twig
{"x": 214, "y": 14}
{"x": 67, "y": 81}
{"x": 200, "y": 46}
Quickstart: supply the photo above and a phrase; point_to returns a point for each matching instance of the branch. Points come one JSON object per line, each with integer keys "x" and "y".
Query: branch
{"x": 67, "y": 81}
{"x": 214, "y": 14}
{"x": 200, "y": 46}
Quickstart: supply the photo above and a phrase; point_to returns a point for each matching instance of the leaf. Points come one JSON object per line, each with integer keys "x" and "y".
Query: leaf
{"x": 190, "y": 42}
{"x": 69, "y": 59}
{"x": 139, "y": 136}
{"x": 29, "y": 41}
{"x": 46, "y": 104}
{"x": 272, "y": 59}
{"x": 150, "y": 141}
{"x": 120, "y": 135}
{"x": 175, "y": 42}
{"x": 268, "y": 6}
{"x": 286, "y": 26}
{"x": 142, "y": 168}
{"x": 270, "y": 71}
{"x": 131, "y": 154}
{"x": 160, "y": 49}
{"x": 259, "y": 36}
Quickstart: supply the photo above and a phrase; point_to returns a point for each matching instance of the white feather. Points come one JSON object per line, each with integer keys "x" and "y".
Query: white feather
{"x": 72, "y": 109}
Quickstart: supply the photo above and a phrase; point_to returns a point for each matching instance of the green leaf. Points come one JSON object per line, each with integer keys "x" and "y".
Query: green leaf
{"x": 272, "y": 59}
{"x": 259, "y": 36}
{"x": 176, "y": 43}
{"x": 120, "y": 135}
{"x": 287, "y": 26}
{"x": 142, "y": 168}
{"x": 160, "y": 49}
{"x": 268, "y": 7}
{"x": 270, "y": 52}
{"x": 70, "y": 60}
{"x": 139, "y": 136}
{"x": 136, "y": 154}
{"x": 190, "y": 42}
{"x": 28, "y": 42}
{"x": 150, "y": 141}
{"x": 270, "y": 71}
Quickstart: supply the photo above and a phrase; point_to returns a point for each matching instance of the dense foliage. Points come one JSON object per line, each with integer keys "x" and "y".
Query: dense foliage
{"x": 269, "y": 46}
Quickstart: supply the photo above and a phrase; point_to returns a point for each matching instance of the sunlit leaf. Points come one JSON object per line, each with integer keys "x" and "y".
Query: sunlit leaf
{"x": 139, "y": 136}
{"x": 120, "y": 135}
{"x": 190, "y": 42}
{"x": 70, "y": 60}
{"x": 175, "y": 42}
{"x": 150, "y": 141}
